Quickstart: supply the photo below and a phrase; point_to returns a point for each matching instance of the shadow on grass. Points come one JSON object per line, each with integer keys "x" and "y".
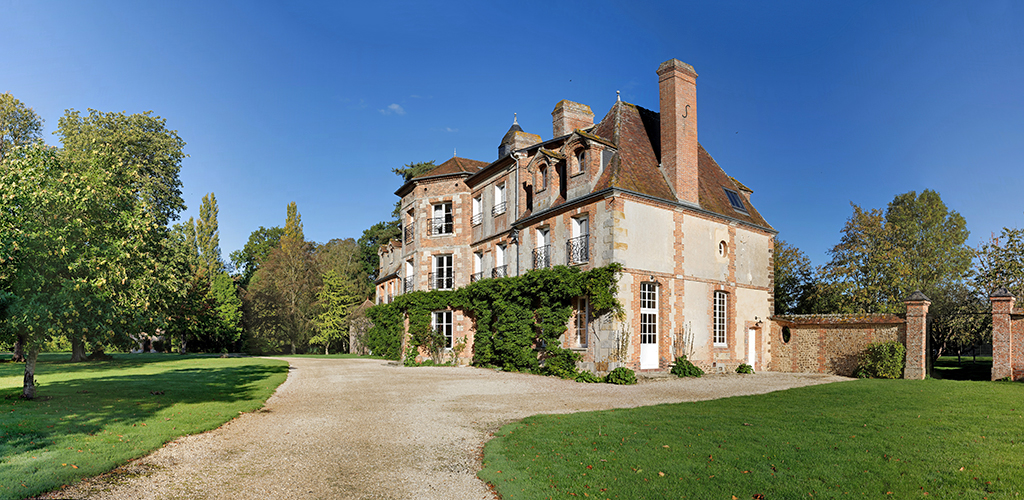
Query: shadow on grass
{"x": 948, "y": 368}
{"x": 88, "y": 406}
{"x": 51, "y": 362}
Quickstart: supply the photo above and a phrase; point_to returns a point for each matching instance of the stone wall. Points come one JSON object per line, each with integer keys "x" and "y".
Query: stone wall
{"x": 1007, "y": 337}
{"x": 830, "y": 343}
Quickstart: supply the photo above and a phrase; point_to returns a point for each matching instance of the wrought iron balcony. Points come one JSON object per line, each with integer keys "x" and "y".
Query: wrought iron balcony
{"x": 477, "y": 218}
{"x": 542, "y": 257}
{"x": 407, "y": 284}
{"x": 578, "y": 249}
{"x": 498, "y": 209}
{"x": 410, "y": 232}
{"x": 473, "y": 278}
{"x": 441, "y": 281}
{"x": 500, "y": 271}
{"x": 441, "y": 225}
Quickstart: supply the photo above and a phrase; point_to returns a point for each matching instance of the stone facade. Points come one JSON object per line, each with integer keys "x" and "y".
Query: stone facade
{"x": 636, "y": 189}
{"x": 830, "y": 343}
{"x": 1007, "y": 337}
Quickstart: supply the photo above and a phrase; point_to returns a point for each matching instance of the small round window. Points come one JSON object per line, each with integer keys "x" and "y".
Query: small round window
{"x": 786, "y": 334}
{"x": 723, "y": 249}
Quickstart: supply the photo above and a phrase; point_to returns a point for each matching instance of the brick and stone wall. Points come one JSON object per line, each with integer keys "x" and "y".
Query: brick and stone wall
{"x": 1007, "y": 337}
{"x": 830, "y": 343}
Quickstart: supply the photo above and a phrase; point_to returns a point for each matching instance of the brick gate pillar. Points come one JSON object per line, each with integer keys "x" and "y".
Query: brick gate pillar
{"x": 917, "y": 336}
{"x": 1002, "y": 339}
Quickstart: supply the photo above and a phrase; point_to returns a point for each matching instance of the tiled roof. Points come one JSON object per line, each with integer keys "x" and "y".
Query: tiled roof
{"x": 636, "y": 133}
{"x": 455, "y": 165}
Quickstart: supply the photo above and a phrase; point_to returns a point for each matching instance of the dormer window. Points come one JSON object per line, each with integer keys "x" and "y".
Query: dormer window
{"x": 543, "y": 181}
{"x": 735, "y": 200}
{"x": 581, "y": 161}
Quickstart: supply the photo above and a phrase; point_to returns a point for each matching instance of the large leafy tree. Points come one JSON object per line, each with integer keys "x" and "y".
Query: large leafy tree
{"x": 77, "y": 249}
{"x": 247, "y": 260}
{"x": 19, "y": 124}
{"x": 1000, "y": 263}
{"x": 794, "y": 279}
{"x": 917, "y": 243}
{"x": 337, "y": 297}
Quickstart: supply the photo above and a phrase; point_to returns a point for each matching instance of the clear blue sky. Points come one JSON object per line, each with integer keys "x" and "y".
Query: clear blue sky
{"x": 813, "y": 105}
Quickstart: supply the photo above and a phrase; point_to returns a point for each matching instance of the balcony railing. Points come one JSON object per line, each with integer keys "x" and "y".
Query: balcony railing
{"x": 578, "y": 249}
{"x": 477, "y": 218}
{"x": 473, "y": 278}
{"x": 498, "y": 209}
{"x": 441, "y": 225}
{"x": 410, "y": 232}
{"x": 500, "y": 271}
{"x": 407, "y": 284}
{"x": 441, "y": 281}
{"x": 542, "y": 257}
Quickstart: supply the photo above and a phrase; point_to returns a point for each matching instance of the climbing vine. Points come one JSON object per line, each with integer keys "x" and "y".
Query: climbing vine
{"x": 518, "y": 320}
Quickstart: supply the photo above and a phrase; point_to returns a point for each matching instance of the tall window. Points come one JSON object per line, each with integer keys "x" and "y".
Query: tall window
{"x": 648, "y": 313}
{"x": 442, "y": 223}
{"x": 500, "y": 268}
{"x": 478, "y": 265}
{"x": 478, "y": 210}
{"x": 409, "y": 280}
{"x": 499, "y": 200}
{"x": 581, "y": 160}
{"x": 542, "y": 254}
{"x": 582, "y": 306}
{"x": 542, "y": 181}
{"x": 721, "y": 303}
{"x": 443, "y": 277}
{"x": 442, "y": 324}
{"x": 578, "y": 247}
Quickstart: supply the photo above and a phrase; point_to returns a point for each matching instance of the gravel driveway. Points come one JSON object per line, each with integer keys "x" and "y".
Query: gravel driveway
{"x": 359, "y": 428}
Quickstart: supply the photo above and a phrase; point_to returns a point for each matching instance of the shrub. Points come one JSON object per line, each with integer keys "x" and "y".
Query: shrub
{"x": 684, "y": 368}
{"x": 587, "y": 378}
{"x": 883, "y": 360}
{"x": 745, "y": 368}
{"x": 561, "y": 363}
{"x": 621, "y": 376}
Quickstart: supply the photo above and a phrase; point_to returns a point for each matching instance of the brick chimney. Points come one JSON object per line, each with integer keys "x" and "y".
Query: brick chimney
{"x": 677, "y": 85}
{"x": 569, "y": 116}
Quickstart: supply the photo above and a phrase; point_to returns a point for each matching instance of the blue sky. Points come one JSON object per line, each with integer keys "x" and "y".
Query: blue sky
{"x": 813, "y": 105}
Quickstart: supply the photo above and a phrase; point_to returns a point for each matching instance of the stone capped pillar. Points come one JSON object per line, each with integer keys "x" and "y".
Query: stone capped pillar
{"x": 917, "y": 336}
{"x": 1002, "y": 336}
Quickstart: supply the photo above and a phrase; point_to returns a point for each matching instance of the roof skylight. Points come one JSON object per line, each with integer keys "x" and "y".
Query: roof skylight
{"x": 735, "y": 200}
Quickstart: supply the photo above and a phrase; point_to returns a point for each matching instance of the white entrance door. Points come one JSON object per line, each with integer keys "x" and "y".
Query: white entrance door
{"x": 648, "y": 326}
{"x": 752, "y": 348}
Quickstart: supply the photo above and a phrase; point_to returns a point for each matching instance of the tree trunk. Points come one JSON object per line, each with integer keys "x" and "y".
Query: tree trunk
{"x": 77, "y": 349}
{"x": 19, "y": 350}
{"x": 183, "y": 347}
{"x": 293, "y": 348}
{"x": 28, "y": 390}
{"x": 326, "y": 347}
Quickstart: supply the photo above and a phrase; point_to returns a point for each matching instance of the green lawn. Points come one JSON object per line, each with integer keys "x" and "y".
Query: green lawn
{"x": 88, "y": 418}
{"x": 864, "y": 438}
{"x": 324, "y": 356}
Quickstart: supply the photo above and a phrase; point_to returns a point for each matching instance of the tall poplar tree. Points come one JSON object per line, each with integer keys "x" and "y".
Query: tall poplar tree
{"x": 208, "y": 236}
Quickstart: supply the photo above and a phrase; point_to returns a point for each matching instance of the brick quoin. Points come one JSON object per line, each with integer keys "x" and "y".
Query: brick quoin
{"x": 1007, "y": 361}
{"x": 917, "y": 334}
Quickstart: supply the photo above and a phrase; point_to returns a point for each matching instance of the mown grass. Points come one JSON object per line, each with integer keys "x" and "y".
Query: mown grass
{"x": 324, "y": 356}
{"x": 865, "y": 438}
{"x": 88, "y": 418}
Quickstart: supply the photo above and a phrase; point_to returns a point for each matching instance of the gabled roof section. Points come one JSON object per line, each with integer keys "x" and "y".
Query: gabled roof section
{"x": 453, "y": 167}
{"x": 636, "y": 133}
{"x": 552, "y": 154}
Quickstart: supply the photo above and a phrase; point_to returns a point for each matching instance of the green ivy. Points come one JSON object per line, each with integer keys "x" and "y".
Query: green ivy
{"x": 385, "y": 337}
{"x": 518, "y": 320}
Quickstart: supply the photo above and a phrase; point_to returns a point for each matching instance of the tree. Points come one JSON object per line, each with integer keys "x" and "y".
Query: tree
{"x": 343, "y": 257}
{"x": 247, "y": 260}
{"x": 336, "y": 298}
{"x": 794, "y": 279}
{"x": 144, "y": 142}
{"x": 999, "y": 262}
{"x": 282, "y": 292}
{"x": 77, "y": 248}
{"x": 208, "y": 236}
{"x": 19, "y": 124}
{"x": 371, "y": 240}
{"x": 917, "y": 243}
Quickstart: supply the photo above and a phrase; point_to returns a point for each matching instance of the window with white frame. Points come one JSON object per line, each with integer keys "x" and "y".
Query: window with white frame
{"x": 648, "y": 312}
{"x": 478, "y": 266}
{"x": 721, "y": 307}
{"x": 500, "y": 268}
{"x": 442, "y": 324}
{"x": 578, "y": 247}
{"x": 542, "y": 253}
{"x": 443, "y": 277}
{"x": 442, "y": 222}
{"x": 582, "y": 306}
{"x": 478, "y": 210}
{"x": 499, "y": 200}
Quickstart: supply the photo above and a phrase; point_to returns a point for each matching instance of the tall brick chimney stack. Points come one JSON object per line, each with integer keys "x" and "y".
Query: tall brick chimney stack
{"x": 569, "y": 116}
{"x": 677, "y": 85}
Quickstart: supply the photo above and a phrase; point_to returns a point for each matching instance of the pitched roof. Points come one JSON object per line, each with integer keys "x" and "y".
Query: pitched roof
{"x": 455, "y": 165}
{"x": 636, "y": 133}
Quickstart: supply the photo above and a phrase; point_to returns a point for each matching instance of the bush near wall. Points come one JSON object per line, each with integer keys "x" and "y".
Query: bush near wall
{"x": 882, "y": 360}
{"x": 518, "y": 320}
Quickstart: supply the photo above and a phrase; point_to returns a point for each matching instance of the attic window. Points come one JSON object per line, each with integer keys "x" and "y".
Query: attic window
{"x": 735, "y": 200}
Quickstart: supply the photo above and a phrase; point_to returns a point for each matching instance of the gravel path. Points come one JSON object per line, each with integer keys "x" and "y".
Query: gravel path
{"x": 368, "y": 429}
